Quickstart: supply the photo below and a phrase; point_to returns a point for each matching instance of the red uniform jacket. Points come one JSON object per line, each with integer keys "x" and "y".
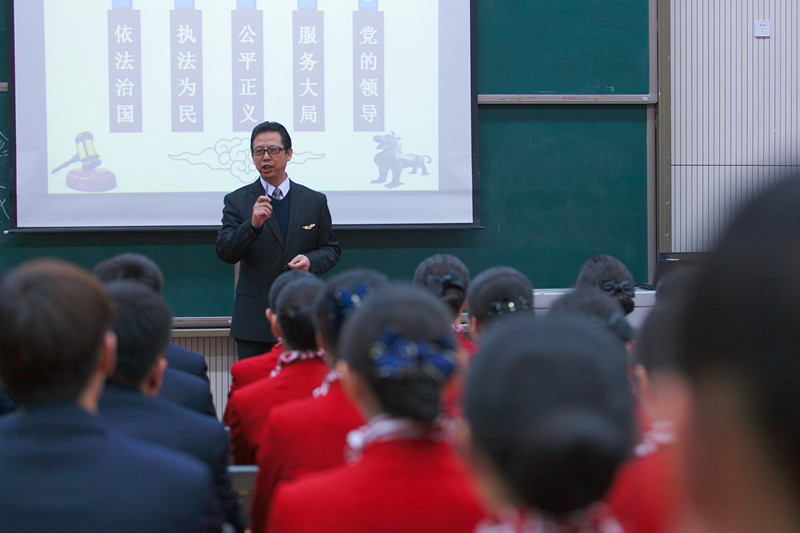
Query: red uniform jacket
{"x": 398, "y": 486}
{"x": 644, "y": 495}
{"x": 252, "y": 369}
{"x": 455, "y": 388}
{"x": 248, "y": 408}
{"x": 301, "y": 437}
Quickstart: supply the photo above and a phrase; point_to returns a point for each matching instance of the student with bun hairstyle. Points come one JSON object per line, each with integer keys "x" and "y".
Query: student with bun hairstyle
{"x": 611, "y": 275}
{"x": 497, "y": 293}
{"x": 398, "y": 351}
{"x": 299, "y": 370}
{"x": 250, "y": 369}
{"x": 310, "y": 435}
{"x": 644, "y": 495}
{"x": 738, "y": 350}
{"x": 549, "y": 416}
{"x": 447, "y": 277}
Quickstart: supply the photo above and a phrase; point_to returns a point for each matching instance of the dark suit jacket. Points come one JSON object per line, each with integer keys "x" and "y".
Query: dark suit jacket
{"x": 187, "y": 390}
{"x": 263, "y": 255}
{"x": 185, "y": 360}
{"x": 161, "y": 422}
{"x": 63, "y": 470}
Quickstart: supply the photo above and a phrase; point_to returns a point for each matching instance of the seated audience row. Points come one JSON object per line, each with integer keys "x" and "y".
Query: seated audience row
{"x": 569, "y": 422}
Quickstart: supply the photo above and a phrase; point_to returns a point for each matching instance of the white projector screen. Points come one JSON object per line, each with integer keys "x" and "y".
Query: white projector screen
{"x": 137, "y": 113}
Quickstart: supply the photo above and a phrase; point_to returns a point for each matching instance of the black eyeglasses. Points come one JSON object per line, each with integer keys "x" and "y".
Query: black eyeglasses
{"x": 272, "y": 150}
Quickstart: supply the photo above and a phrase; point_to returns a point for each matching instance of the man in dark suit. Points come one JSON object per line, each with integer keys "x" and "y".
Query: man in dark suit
{"x": 271, "y": 226}
{"x": 130, "y": 402}
{"x": 185, "y": 380}
{"x": 62, "y": 468}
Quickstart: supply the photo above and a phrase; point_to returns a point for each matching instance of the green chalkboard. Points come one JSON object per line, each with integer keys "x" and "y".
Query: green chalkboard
{"x": 558, "y": 184}
{"x": 563, "y": 46}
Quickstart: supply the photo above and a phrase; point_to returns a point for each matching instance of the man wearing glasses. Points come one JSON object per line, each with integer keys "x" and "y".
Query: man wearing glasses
{"x": 271, "y": 226}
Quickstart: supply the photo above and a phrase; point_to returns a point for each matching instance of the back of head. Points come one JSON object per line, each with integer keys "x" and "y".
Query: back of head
{"x": 130, "y": 267}
{"x": 400, "y": 341}
{"x": 142, "y": 325}
{"x": 676, "y": 284}
{"x": 611, "y": 275}
{"x": 657, "y": 339}
{"x": 282, "y": 281}
{"x": 594, "y": 303}
{"x": 447, "y": 277}
{"x": 53, "y": 321}
{"x": 295, "y": 310}
{"x": 548, "y": 403}
{"x": 499, "y": 292}
{"x": 741, "y": 327}
{"x": 343, "y": 294}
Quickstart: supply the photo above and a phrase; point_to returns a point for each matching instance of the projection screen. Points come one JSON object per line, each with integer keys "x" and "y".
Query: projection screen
{"x": 138, "y": 113}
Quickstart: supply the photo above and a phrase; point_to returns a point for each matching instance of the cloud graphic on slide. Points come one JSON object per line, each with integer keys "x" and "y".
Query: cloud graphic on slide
{"x": 233, "y": 155}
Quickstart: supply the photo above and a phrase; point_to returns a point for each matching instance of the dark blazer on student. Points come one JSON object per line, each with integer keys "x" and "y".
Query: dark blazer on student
{"x": 187, "y": 390}
{"x": 263, "y": 254}
{"x": 161, "y": 422}
{"x": 62, "y": 469}
{"x": 185, "y": 360}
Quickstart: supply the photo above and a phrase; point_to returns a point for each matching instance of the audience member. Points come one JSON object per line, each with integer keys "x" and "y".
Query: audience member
{"x": 309, "y": 435}
{"x": 738, "y": 350}
{"x": 130, "y": 404}
{"x": 250, "y": 369}
{"x": 611, "y": 275}
{"x": 62, "y": 468}
{"x": 644, "y": 494}
{"x": 185, "y": 380}
{"x": 299, "y": 370}
{"x": 550, "y": 420}
{"x": 597, "y": 304}
{"x": 397, "y": 352}
{"x": 497, "y": 293}
{"x": 447, "y": 277}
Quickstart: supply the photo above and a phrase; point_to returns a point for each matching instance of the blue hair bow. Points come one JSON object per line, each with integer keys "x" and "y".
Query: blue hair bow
{"x": 439, "y": 284}
{"x": 394, "y": 356}
{"x": 345, "y": 302}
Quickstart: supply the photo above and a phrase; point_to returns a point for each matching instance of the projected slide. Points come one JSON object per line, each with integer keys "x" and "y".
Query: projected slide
{"x": 138, "y": 113}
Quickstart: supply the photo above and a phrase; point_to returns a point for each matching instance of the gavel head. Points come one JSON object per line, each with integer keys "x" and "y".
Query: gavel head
{"x": 86, "y": 150}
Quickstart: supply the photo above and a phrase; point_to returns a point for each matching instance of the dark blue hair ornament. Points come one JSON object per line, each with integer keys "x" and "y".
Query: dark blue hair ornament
{"x": 345, "y": 302}
{"x": 394, "y": 357}
{"x": 625, "y": 287}
{"x": 439, "y": 284}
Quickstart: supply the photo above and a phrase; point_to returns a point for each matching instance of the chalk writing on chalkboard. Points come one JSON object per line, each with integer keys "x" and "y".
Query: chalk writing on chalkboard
{"x": 3, "y": 145}
{"x": 3, "y": 190}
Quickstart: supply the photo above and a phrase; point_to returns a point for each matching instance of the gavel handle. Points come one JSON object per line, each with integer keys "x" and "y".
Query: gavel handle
{"x": 75, "y": 159}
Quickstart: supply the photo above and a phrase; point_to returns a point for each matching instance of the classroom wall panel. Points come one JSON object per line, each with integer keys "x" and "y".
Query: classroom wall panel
{"x": 735, "y": 118}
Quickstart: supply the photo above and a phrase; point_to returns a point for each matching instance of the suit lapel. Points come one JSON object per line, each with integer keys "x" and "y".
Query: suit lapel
{"x": 294, "y": 211}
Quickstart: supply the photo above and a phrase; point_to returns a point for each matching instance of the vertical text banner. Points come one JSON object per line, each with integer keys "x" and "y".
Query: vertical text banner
{"x": 186, "y": 49}
{"x": 309, "y": 74}
{"x": 124, "y": 68}
{"x": 247, "y": 47}
{"x": 368, "y": 67}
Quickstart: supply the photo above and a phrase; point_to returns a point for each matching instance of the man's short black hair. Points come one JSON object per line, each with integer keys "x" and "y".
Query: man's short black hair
{"x": 131, "y": 267}
{"x": 53, "y": 320}
{"x": 142, "y": 326}
{"x": 271, "y": 126}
